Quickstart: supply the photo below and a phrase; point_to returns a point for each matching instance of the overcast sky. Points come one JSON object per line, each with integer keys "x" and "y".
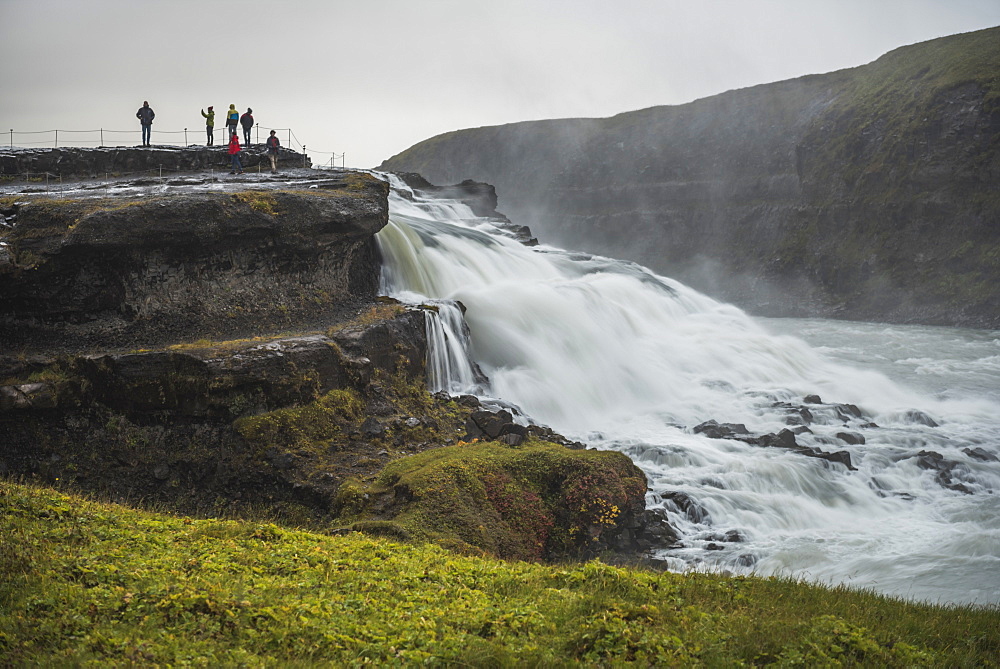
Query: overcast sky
{"x": 370, "y": 78}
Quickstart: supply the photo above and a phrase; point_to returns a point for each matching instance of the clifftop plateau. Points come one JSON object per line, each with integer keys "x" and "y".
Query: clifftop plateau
{"x": 869, "y": 193}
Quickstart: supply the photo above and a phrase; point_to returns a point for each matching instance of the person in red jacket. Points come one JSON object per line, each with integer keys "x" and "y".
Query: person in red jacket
{"x": 234, "y": 153}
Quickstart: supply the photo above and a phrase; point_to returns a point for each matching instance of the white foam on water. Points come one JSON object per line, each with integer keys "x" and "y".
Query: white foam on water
{"x": 608, "y": 352}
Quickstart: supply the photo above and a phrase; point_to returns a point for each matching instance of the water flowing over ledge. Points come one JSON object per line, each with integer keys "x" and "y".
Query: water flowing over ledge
{"x": 609, "y": 352}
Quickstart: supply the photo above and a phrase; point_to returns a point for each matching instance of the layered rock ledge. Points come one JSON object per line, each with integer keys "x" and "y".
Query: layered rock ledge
{"x": 201, "y": 258}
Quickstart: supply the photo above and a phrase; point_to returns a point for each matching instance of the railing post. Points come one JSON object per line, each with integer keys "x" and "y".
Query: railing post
{"x": 303, "y": 155}
{"x": 185, "y": 136}
{"x": 12, "y": 138}
{"x": 289, "y": 138}
{"x": 102, "y": 137}
{"x": 57, "y": 139}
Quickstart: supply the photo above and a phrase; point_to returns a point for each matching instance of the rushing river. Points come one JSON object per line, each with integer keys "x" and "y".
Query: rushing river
{"x": 607, "y": 352}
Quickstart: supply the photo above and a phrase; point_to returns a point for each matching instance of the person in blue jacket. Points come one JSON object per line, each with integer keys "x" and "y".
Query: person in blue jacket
{"x": 232, "y": 119}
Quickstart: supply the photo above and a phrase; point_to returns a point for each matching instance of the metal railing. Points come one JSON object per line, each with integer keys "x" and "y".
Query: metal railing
{"x": 100, "y": 137}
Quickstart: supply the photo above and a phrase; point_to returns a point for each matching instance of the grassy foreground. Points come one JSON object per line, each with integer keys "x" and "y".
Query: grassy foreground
{"x": 85, "y": 583}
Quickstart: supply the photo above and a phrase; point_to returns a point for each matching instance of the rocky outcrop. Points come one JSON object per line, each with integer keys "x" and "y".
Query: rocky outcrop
{"x": 268, "y": 423}
{"x": 214, "y": 408}
{"x": 866, "y": 193}
{"x": 158, "y": 161}
{"x": 481, "y": 198}
{"x": 157, "y": 266}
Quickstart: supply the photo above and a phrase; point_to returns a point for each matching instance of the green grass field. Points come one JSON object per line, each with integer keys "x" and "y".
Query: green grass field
{"x": 86, "y": 583}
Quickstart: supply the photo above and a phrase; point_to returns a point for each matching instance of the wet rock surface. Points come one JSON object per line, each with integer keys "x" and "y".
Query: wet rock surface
{"x": 783, "y": 439}
{"x": 154, "y": 161}
{"x": 480, "y": 197}
{"x": 207, "y": 258}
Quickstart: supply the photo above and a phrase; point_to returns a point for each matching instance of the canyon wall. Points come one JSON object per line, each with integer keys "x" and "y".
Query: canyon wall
{"x": 869, "y": 193}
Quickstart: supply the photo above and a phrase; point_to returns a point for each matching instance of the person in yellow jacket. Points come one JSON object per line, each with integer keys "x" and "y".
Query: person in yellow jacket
{"x": 209, "y": 123}
{"x": 232, "y": 119}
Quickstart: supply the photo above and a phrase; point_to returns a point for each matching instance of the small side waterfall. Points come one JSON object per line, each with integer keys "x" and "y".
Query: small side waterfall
{"x": 449, "y": 363}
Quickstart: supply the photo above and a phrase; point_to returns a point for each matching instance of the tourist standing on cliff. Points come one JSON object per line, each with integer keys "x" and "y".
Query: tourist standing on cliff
{"x": 234, "y": 153}
{"x": 209, "y": 124}
{"x": 145, "y": 116}
{"x": 247, "y": 122}
{"x": 272, "y": 151}
{"x": 232, "y": 119}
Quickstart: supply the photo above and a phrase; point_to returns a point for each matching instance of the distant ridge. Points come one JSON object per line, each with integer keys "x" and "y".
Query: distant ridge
{"x": 868, "y": 193}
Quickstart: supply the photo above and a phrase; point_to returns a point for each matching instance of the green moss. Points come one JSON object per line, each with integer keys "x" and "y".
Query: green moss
{"x": 307, "y": 426}
{"x": 261, "y": 201}
{"x": 83, "y": 583}
{"x": 866, "y": 137}
{"x": 384, "y": 311}
{"x": 528, "y": 502}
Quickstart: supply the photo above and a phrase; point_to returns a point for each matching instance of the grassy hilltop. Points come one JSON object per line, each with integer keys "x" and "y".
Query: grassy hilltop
{"x": 88, "y": 583}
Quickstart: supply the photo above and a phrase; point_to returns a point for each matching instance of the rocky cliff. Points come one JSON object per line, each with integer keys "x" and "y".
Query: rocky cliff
{"x": 216, "y": 346}
{"x": 145, "y": 266}
{"x": 868, "y": 193}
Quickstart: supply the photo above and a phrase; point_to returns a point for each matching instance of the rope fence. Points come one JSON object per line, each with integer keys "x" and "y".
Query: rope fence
{"x": 54, "y": 181}
{"x": 100, "y": 137}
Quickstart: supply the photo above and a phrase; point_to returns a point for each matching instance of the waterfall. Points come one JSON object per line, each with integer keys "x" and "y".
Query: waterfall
{"x": 610, "y": 353}
{"x": 449, "y": 362}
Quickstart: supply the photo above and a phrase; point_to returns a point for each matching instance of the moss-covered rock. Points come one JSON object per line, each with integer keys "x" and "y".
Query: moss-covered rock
{"x": 265, "y": 425}
{"x": 530, "y": 502}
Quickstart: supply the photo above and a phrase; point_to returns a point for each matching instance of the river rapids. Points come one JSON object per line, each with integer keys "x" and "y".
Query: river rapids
{"x": 609, "y": 353}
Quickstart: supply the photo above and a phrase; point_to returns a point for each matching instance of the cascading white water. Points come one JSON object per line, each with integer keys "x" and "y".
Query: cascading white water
{"x": 449, "y": 363}
{"x": 610, "y": 353}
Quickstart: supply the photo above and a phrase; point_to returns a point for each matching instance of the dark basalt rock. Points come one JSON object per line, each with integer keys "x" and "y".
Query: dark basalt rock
{"x": 715, "y": 430}
{"x": 946, "y": 470}
{"x": 978, "y": 453}
{"x": 486, "y": 424}
{"x": 851, "y": 437}
{"x": 500, "y": 426}
{"x": 133, "y": 271}
{"x": 480, "y": 197}
{"x": 681, "y": 502}
{"x": 784, "y": 439}
{"x": 655, "y": 531}
{"x": 919, "y": 418}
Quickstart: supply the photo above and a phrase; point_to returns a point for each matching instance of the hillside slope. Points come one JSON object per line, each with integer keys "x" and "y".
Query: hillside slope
{"x": 85, "y": 583}
{"x": 868, "y": 193}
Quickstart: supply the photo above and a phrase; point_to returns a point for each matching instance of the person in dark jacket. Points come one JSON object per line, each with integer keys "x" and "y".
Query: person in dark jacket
{"x": 272, "y": 150}
{"x": 247, "y": 122}
{"x": 209, "y": 124}
{"x": 145, "y": 116}
{"x": 234, "y": 153}
{"x": 232, "y": 119}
